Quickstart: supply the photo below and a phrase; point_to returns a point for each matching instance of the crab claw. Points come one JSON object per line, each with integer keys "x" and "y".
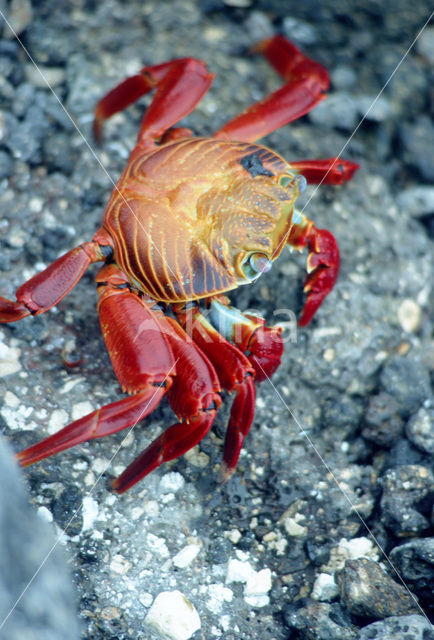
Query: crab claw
{"x": 322, "y": 267}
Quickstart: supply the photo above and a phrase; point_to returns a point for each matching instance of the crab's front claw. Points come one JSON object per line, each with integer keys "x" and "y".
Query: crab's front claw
{"x": 322, "y": 268}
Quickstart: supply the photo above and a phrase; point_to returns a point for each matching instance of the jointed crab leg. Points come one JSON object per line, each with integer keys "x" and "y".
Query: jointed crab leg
{"x": 145, "y": 368}
{"x": 329, "y": 171}
{"x": 305, "y": 84}
{"x": 47, "y": 288}
{"x": 235, "y": 373}
{"x": 180, "y": 85}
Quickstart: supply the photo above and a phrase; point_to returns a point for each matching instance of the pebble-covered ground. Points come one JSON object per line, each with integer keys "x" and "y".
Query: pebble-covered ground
{"x": 326, "y": 529}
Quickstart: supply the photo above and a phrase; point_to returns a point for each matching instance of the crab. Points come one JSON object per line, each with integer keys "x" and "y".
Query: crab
{"x": 190, "y": 219}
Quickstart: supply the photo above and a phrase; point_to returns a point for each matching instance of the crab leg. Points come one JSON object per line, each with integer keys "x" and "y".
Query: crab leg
{"x": 322, "y": 263}
{"x": 235, "y": 372}
{"x": 141, "y": 358}
{"x": 180, "y": 85}
{"x": 329, "y": 171}
{"x": 194, "y": 396}
{"x": 47, "y": 288}
{"x": 305, "y": 84}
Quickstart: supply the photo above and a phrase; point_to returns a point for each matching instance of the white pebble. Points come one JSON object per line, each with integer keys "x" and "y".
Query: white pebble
{"x": 409, "y": 315}
{"x": 238, "y": 571}
{"x": 58, "y": 419}
{"x": 259, "y": 583}
{"x": 325, "y": 588}
{"x": 9, "y": 360}
{"x": 45, "y": 514}
{"x": 157, "y": 545}
{"x": 81, "y": 409}
{"x": 89, "y": 512}
{"x": 173, "y": 616}
{"x": 120, "y": 565}
{"x": 218, "y": 595}
{"x": 171, "y": 482}
{"x": 186, "y": 556}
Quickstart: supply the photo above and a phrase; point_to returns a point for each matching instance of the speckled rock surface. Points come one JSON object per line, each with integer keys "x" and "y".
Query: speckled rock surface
{"x": 342, "y": 437}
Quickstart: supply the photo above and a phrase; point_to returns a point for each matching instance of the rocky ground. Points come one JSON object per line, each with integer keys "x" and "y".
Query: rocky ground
{"x": 326, "y": 529}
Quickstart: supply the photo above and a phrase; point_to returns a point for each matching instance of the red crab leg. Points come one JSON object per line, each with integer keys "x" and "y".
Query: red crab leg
{"x": 328, "y": 171}
{"x": 322, "y": 264}
{"x": 305, "y": 84}
{"x": 262, "y": 345}
{"x": 235, "y": 372}
{"x": 194, "y": 396}
{"x": 180, "y": 85}
{"x": 141, "y": 358}
{"x": 47, "y": 288}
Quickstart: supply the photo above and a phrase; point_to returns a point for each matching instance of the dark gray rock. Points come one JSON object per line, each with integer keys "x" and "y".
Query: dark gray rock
{"x": 407, "y": 380}
{"x": 320, "y": 621}
{"x": 408, "y": 493}
{"x": 410, "y": 627}
{"x": 420, "y": 430}
{"x": 36, "y": 595}
{"x": 382, "y": 423}
{"x": 418, "y": 142}
{"x": 415, "y": 562}
{"x": 369, "y": 592}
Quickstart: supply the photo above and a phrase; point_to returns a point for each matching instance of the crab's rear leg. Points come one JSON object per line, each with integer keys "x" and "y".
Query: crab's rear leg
{"x": 194, "y": 397}
{"x": 306, "y": 82}
{"x": 47, "y": 288}
{"x": 235, "y": 373}
{"x": 179, "y": 84}
{"x": 142, "y": 359}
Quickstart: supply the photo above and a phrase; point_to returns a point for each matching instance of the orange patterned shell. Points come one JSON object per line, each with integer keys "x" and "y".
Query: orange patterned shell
{"x": 186, "y": 216}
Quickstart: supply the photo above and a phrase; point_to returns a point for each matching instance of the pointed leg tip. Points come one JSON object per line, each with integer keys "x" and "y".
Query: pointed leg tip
{"x": 225, "y": 473}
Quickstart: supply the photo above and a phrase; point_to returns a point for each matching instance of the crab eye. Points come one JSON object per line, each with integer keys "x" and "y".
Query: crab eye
{"x": 299, "y": 180}
{"x": 256, "y": 264}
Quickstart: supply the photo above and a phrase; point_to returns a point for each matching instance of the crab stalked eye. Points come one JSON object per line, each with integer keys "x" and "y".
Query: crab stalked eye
{"x": 301, "y": 181}
{"x": 256, "y": 264}
{"x": 298, "y": 179}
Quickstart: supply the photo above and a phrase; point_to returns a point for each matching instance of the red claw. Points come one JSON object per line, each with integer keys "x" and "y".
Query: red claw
{"x": 329, "y": 171}
{"x": 323, "y": 268}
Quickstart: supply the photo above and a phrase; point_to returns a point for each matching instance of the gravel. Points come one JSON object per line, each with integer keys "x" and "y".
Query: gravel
{"x": 341, "y": 447}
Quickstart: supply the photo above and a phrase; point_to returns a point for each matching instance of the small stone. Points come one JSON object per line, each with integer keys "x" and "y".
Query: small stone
{"x": 417, "y": 201}
{"x": 19, "y": 16}
{"x": 374, "y": 109}
{"x": 293, "y": 528}
{"x": 186, "y": 556}
{"x": 171, "y": 482}
{"x": 405, "y": 489}
{"x": 382, "y": 422}
{"x": 409, "y": 315}
{"x": 258, "y": 583}
{"x": 120, "y": 565}
{"x": 173, "y": 616}
{"x": 238, "y": 571}
{"x": 81, "y": 409}
{"x": 320, "y": 621}
{"x": 368, "y": 591}
{"x": 412, "y": 627}
{"x": 325, "y": 588}
{"x": 420, "y": 430}
{"x": 58, "y": 419}
{"x": 425, "y": 44}
{"x": 218, "y": 595}
{"x": 9, "y": 360}
{"x": 89, "y": 512}
{"x": 338, "y": 111}
{"x": 415, "y": 563}
{"x": 44, "y": 77}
